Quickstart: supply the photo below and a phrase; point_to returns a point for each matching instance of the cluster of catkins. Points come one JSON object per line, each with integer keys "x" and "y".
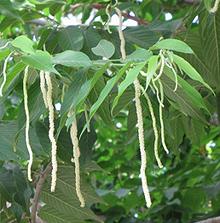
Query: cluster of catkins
{"x": 47, "y": 90}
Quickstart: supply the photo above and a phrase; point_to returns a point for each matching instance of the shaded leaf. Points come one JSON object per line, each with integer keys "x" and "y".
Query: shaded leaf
{"x": 104, "y": 49}
{"x": 71, "y": 58}
{"x": 24, "y": 44}
{"x": 63, "y": 205}
{"x": 40, "y": 60}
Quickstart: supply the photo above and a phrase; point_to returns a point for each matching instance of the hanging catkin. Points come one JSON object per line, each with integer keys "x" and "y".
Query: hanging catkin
{"x": 76, "y": 155}
{"x": 43, "y": 87}
{"x": 27, "y": 126}
{"x": 4, "y": 74}
{"x": 156, "y": 135}
{"x": 141, "y": 142}
{"x": 121, "y": 35}
{"x": 161, "y": 118}
{"x": 140, "y": 123}
{"x": 215, "y": 7}
{"x": 51, "y": 131}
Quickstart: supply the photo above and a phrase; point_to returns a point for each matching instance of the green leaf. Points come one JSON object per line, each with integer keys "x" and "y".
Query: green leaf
{"x": 151, "y": 69}
{"x": 7, "y": 9}
{"x": 174, "y": 45}
{"x": 66, "y": 40}
{"x": 7, "y": 134}
{"x": 74, "y": 100}
{"x": 13, "y": 73}
{"x": 139, "y": 55}
{"x": 71, "y": 58}
{"x": 205, "y": 42}
{"x": 63, "y": 206}
{"x": 180, "y": 99}
{"x": 73, "y": 92}
{"x": 107, "y": 89}
{"x": 190, "y": 70}
{"x": 40, "y": 60}
{"x": 4, "y": 53}
{"x": 194, "y": 198}
{"x": 129, "y": 79}
{"x": 13, "y": 185}
{"x": 24, "y": 44}
{"x": 104, "y": 49}
{"x": 191, "y": 92}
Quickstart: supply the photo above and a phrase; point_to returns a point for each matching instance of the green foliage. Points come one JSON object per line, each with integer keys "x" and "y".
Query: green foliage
{"x": 63, "y": 205}
{"x": 89, "y": 76}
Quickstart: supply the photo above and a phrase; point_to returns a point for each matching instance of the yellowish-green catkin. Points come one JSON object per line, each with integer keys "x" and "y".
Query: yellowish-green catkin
{"x": 157, "y": 94}
{"x": 43, "y": 87}
{"x": 27, "y": 125}
{"x": 121, "y": 35}
{"x": 161, "y": 66}
{"x": 154, "y": 124}
{"x": 161, "y": 118}
{"x": 141, "y": 142}
{"x": 76, "y": 155}
{"x": 4, "y": 46}
{"x": 215, "y": 7}
{"x": 139, "y": 112}
{"x": 4, "y": 74}
{"x": 51, "y": 131}
{"x": 175, "y": 75}
{"x": 107, "y": 11}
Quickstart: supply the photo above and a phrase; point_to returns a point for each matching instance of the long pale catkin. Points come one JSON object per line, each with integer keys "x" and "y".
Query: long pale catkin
{"x": 141, "y": 142}
{"x": 27, "y": 125}
{"x": 4, "y": 74}
{"x": 43, "y": 87}
{"x": 154, "y": 124}
{"x": 51, "y": 131}
{"x": 161, "y": 119}
{"x": 121, "y": 35}
{"x": 76, "y": 155}
{"x": 215, "y": 7}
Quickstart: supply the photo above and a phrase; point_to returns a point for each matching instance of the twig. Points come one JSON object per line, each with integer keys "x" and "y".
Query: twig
{"x": 210, "y": 220}
{"x": 39, "y": 186}
{"x": 125, "y": 14}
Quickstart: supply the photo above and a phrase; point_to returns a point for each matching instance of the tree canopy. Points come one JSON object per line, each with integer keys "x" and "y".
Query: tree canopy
{"x": 110, "y": 111}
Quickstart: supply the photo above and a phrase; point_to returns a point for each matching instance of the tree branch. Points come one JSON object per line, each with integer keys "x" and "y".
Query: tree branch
{"x": 124, "y": 14}
{"x": 210, "y": 220}
{"x": 39, "y": 186}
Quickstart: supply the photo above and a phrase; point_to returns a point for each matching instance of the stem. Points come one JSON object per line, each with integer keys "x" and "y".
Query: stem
{"x": 39, "y": 186}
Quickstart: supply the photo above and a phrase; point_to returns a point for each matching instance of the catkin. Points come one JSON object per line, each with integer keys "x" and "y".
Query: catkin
{"x": 4, "y": 46}
{"x": 109, "y": 18}
{"x": 121, "y": 35}
{"x": 215, "y": 7}
{"x": 175, "y": 75}
{"x": 4, "y": 74}
{"x": 51, "y": 131}
{"x": 76, "y": 155}
{"x": 27, "y": 126}
{"x": 141, "y": 142}
{"x": 156, "y": 135}
{"x": 157, "y": 94}
{"x": 161, "y": 118}
{"x": 43, "y": 87}
{"x": 161, "y": 66}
